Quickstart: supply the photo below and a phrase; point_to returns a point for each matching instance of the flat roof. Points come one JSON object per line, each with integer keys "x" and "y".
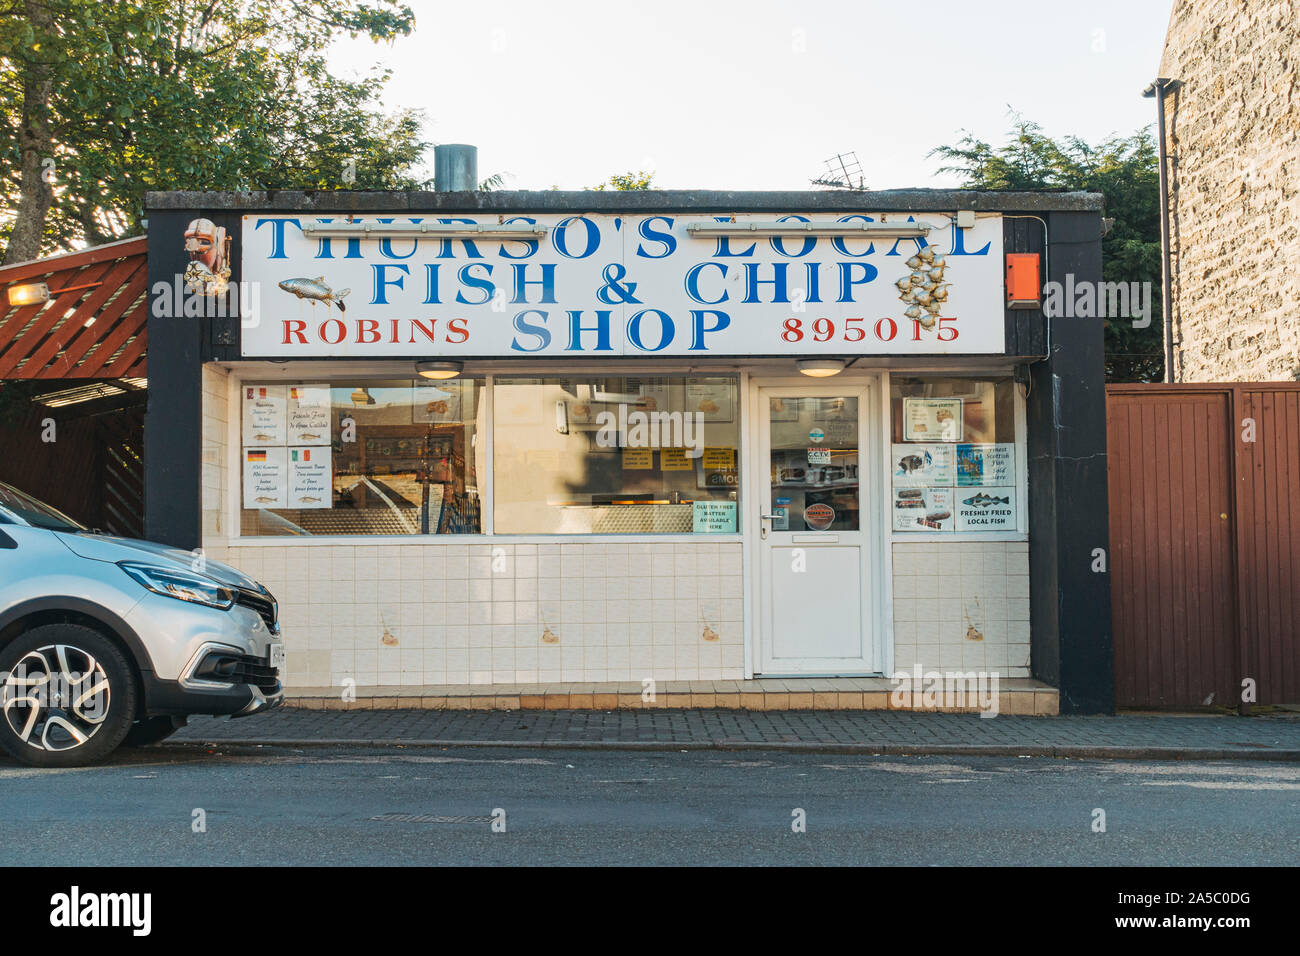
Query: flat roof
{"x": 644, "y": 200}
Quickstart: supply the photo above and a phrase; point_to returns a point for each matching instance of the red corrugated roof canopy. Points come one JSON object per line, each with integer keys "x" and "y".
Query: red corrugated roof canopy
{"x": 93, "y": 324}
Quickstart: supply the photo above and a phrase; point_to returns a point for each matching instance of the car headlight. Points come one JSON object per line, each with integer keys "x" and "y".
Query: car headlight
{"x": 181, "y": 585}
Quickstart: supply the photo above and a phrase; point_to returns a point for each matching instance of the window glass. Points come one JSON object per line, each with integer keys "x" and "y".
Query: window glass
{"x": 955, "y": 457}
{"x": 814, "y": 463}
{"x": 616, "y": 455}
{"x": 396, "y": 456}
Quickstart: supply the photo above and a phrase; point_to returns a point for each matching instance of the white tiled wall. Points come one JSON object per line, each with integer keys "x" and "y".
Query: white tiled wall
{"x": 513, "y": 613}
{"x": 214, "y": 468}
{"x": 962, "y": 605}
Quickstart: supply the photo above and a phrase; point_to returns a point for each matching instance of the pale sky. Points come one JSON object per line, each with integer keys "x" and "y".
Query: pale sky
{"x": 757, "y": 95}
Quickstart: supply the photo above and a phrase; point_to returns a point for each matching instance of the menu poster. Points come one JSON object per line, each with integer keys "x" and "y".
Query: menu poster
{"x": 654, "y": 398}
{"x": 784, "y": 409}
{"x": 674, "y": 459}
{"x": 266, "y": 483}
{"x": 919, "y": 466}
{"x": 989, "y": 509}
{"x": 991, "y": 464}
{"x": 712, "y": 399}
{"x": 932, "y": 419}
{"x": 310, "y": 481}
{"x": 717, "y": 469}
{"x": 309, "y": 415}
{"x": 433, "y": 404}
{"x": 264, "y": 415}
{"x": 922, "y": 509}
{"x": 638, "y": 459}
{"x": 713, "y": 517}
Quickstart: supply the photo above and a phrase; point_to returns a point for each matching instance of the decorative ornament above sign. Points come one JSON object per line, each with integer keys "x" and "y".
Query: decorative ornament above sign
{"x": 599, "y": 284}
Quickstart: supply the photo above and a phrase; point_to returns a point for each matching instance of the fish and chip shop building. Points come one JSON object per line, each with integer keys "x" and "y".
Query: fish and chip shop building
{"x": 501, "y": 438}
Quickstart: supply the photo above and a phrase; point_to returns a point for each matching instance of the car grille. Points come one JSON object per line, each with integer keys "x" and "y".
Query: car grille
{"x": 255, "y": 671}
{"x": 263, "y": 604}
{"x": 231, "y": 668}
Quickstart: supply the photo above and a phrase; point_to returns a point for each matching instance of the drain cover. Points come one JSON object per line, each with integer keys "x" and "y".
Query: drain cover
{"x": 426, "y": 818}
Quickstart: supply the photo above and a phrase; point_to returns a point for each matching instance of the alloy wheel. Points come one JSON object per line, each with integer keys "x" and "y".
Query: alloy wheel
{"x": 56, "y": 697}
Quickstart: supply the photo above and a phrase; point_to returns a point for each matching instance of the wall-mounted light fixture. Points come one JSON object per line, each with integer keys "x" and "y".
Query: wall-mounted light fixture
{"x": 882, "y": 230}
{"x": 436, "y": 230}
{"x": 820, "y": 368}
{"x": 439, "y": 370}
{"x": 34, "y": 293}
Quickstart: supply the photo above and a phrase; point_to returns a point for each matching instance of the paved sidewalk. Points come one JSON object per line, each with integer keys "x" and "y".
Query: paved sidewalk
{"x": 1265, "y": 737}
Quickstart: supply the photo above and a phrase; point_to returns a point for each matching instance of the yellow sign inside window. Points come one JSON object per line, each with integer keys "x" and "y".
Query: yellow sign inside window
{"x": 638, "y": 459}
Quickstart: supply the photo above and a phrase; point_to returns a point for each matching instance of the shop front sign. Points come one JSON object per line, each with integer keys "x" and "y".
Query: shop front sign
{"x": 600, "y": 284}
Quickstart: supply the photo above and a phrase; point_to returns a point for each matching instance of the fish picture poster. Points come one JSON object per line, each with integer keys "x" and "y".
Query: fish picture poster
{"x": 264, "y": 415}
{"x": 922, "y": 509}
{"x": 986, "y": 464}
{"x": 310, "y": 480}
{"x": 308, "y": 414}
{"x": 986, "y": 509}
{"x": 266, "y": 482}
{"x": 922, "y": 465}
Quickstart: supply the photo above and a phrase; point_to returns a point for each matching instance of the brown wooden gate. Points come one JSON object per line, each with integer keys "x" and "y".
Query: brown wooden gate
{"x": 1205, "y": 542}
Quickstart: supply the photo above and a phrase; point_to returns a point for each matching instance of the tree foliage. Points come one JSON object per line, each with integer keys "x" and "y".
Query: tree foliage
{"x": 189, "y": 94}
{"x": 1125, "y": 170}
{"x": 631, "y": 180}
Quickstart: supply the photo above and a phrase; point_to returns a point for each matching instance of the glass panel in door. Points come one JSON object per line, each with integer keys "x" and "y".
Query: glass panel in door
{"x": 814, "y": 464}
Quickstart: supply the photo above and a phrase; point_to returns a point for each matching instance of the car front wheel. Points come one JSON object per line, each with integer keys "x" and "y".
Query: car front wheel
{"x": 67, "y": 698}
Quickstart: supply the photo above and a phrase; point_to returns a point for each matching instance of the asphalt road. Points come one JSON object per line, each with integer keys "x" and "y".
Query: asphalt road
{"x": 318, "y": 806}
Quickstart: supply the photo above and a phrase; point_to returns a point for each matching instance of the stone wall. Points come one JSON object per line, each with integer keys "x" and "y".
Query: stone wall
{"x": 1234, "y": 145}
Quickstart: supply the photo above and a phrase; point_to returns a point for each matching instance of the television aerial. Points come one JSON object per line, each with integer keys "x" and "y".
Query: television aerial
{"x": 843, "y": 171}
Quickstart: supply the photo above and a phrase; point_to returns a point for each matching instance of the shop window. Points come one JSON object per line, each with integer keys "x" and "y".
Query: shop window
{"x": 620, "y": 455}
{"x": 366, "y": 457}
{"x": 955, "y": 455}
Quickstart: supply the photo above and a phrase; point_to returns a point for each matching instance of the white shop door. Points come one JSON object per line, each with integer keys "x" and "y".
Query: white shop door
{"x": 815, "y": 494}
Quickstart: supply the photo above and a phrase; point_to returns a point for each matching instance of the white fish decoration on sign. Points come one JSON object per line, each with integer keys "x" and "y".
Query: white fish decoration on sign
{"x": 315, "y": 290}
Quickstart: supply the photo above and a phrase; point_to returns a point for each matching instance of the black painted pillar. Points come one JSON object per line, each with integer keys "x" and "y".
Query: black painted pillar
{"x": 174, "y": 419}
{"x": 1070, "y": 602}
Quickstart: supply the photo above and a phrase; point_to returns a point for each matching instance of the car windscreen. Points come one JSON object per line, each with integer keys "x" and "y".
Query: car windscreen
{"x": 36, "y": 513}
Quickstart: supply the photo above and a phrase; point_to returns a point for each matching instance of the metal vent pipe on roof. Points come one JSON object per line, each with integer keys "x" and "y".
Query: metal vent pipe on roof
{"x": 455, "y": 168}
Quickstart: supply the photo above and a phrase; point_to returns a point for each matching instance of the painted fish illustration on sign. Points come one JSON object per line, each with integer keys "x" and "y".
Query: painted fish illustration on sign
{"x": 911, "y": 463}
{"x": 983, "y": 501}
{"x": 316, "y": 290}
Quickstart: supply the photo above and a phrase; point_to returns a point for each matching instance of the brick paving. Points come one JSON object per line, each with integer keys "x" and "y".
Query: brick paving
{"x": 1269, "y": 737}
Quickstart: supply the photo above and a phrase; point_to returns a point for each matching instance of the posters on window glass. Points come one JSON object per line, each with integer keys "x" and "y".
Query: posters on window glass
{"x": 264, "y": 415}
{"x": 714, "y": 400}
{"x": 713, "y": 517}
{"x": 308, "y": 414}
{"x": 924, "y": 465}
{"x": 265, "y": 478}
{"x": 988, "y": 509}
{"x": 923, "y": 509}
{"x": 310, "y": 482}
{"x": 286, "y": 446}
{"x": 946, "y": 487}
{"x": 932, "y": 419}
{"x": 437, "y": 404}
{"x": 986, "y": 464}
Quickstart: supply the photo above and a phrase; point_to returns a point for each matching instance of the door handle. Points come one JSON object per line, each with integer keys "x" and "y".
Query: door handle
{"x": 769, "y": 517}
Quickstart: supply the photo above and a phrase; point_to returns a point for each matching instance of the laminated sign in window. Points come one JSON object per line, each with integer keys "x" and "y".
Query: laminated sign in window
{"x": 955, "y": 467}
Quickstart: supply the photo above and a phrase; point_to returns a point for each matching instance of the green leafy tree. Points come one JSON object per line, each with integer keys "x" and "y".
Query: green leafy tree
{"x": 1125, "y": 170}
{"x": 630, "y": 180}
{"x": 102, "y": 101}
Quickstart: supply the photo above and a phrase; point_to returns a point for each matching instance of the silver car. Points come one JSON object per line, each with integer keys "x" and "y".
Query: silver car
{"x": 109, "y": 640}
